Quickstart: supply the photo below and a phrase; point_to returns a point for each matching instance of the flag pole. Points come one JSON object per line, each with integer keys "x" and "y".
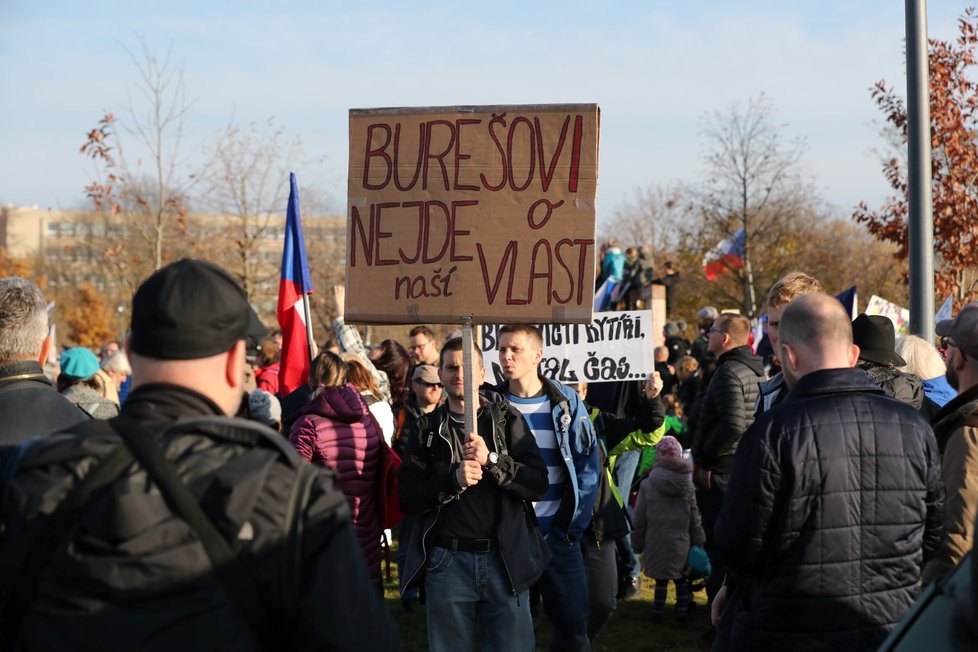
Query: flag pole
{"x": 310, "y": 343}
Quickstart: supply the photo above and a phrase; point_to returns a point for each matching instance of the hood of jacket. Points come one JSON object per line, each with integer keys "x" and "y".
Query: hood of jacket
{"x": 939, "y": 390}
{"x": 343, "y": 404}
{"x": 743, "y": 355}
{"x": 670, "y": 480}
{"x": 904, "y": 387}
{"x": 953, "y": 415}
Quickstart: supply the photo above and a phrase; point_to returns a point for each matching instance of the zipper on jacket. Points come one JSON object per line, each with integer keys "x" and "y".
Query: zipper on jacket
{"x": 424, "y": 535}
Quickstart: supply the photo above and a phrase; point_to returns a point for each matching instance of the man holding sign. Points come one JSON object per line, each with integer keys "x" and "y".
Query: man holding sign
{"x": 562, "y": 428}
{"x": 475, "y": 545}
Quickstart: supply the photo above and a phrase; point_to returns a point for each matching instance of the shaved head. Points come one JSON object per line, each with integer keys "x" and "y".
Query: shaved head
{"x": 815, "y": 333}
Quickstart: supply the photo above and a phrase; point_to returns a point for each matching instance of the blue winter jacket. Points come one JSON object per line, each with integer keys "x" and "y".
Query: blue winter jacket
{"x": 578, "y": 446}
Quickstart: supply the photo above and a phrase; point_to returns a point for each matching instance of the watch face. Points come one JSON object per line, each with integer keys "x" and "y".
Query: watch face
{"x": 493, "y": 458}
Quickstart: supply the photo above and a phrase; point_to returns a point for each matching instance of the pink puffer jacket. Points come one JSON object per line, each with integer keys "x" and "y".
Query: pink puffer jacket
{"x": 336, "y": 429}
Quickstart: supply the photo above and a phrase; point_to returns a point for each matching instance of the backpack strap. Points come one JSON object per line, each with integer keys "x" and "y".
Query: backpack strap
{"x": 239, "y": 585}
{"x": 51, "y": 535}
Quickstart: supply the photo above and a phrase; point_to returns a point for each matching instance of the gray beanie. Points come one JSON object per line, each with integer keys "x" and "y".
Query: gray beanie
{"x": 708, "y": 312}
{"x": 264, "y": 408}
{"x": 671, "y": 329}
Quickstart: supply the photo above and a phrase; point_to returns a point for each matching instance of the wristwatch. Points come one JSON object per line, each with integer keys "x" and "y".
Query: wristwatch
{"x": 493, "y": 459}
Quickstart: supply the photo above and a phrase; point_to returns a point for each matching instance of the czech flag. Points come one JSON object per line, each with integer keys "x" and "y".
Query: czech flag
{"x": 727, "y": 255}
{"x": 294, "y": 285}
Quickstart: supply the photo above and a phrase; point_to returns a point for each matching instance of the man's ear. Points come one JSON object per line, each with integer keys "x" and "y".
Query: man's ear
{"x": 45, "y": 351}
{"x": 235, "y": 366}
{"x": 538, "y": 356}
{"x": 853, "y": 356}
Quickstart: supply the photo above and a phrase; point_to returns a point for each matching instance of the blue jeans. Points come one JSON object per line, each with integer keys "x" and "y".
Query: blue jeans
{"x": 565, "y": 595}
{"x": 465, "y": 589}
{"x": 626, "y": 465}
{"x": 624, "y": 472}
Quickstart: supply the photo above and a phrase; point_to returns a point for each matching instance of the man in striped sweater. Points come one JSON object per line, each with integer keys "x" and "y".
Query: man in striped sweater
{"x": 563, "y": 431}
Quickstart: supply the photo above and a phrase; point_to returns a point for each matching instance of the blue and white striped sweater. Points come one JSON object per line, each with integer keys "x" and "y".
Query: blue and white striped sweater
{"x": 538, "y": 415}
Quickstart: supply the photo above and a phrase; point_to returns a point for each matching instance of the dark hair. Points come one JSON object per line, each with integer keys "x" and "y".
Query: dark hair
{"x": 396, "y": 363}
{"x": 455, "y": 344}
{"x": 422, "y": 330}
{"x": 269, "y": 352}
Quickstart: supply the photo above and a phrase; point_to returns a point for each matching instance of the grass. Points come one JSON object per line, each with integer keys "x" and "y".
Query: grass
{"x": 629, "y": 629}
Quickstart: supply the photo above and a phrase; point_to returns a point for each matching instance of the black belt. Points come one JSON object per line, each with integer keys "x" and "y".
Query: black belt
{"x": 465, "y": 545}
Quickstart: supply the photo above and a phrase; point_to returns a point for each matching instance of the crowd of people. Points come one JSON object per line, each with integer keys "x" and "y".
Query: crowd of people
{"x": 810, "y": 491}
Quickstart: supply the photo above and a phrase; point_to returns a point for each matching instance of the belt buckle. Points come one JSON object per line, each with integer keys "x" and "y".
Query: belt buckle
{"x": 482, "y": 545}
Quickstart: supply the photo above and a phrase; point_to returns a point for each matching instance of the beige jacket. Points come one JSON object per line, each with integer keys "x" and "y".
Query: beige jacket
{"x": 956, "y": 429}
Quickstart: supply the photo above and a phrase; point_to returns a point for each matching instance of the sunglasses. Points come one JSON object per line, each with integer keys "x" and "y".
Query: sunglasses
{"x": 421, "y": 382}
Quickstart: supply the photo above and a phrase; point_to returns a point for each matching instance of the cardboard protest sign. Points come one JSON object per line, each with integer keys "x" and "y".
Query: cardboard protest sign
{"x": 614, "y": 346}
{"x": 484, "y": 212}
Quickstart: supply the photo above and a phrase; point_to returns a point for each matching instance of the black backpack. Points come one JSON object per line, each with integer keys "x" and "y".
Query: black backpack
{"x": 138, "y": 445}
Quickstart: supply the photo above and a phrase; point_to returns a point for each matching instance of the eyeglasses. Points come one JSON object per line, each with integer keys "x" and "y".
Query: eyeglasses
{"x": 947, "y": 342}
{"x": 418, "y": 347}
{"x": 713, "y": 329}
{"x": 421, "y": 382}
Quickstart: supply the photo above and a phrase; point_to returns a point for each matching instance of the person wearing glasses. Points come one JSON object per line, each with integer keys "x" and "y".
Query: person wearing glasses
{"x": 727, "y": 411}
{"x": 424, "y": 397}
{"x": 956, "y": 429}
{"x": 423, "y": 347}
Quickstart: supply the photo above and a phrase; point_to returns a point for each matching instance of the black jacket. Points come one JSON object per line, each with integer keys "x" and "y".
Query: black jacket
{"x": 136, "y": 577}
{"x": 426, "y": 481}
{"x": 727, "y": 409}
{"x": 834, "y": 502}
{"x": 30, "y": 406}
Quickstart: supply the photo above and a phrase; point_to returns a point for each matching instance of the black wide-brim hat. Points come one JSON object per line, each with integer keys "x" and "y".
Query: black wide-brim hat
{"x": 876, "y": 339}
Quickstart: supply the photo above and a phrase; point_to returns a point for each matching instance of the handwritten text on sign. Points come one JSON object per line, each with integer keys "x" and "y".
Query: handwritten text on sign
{"x": 615, "y": 346}
{"x": 485, "y": 212}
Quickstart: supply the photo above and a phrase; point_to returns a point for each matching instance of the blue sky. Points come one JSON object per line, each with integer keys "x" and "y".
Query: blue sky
{"x": 655, "y": 67}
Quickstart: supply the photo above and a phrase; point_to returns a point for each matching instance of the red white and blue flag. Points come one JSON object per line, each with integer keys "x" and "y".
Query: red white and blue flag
{"x": 294, "y": 284}
{"x": 727, "y": 255}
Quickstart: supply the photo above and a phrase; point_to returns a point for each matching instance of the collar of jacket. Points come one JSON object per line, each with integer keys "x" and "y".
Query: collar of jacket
{"x": 554, "y": 394}
{"x": 168, "y": 402}
{"x": 834, "y": 381}
{"x": 774, "y": 383}
{"x": 956, "y": 412}
{"x": 743, "y": 355}
{"x": 23, "y": 370}
{"x": 550, "y": 389}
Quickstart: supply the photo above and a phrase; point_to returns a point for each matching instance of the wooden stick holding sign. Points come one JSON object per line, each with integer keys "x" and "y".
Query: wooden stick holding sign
{"x": 468, "y": 376}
